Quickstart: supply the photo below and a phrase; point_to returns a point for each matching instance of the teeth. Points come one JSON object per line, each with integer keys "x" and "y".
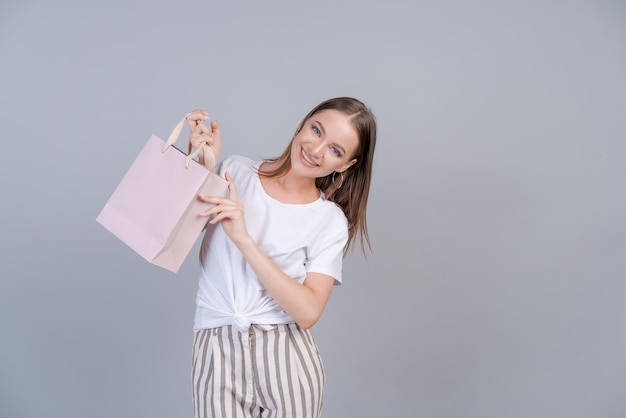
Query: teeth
{"x": 307, "y": 159}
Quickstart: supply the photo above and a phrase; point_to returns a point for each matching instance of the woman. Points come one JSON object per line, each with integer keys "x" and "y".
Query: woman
{"x": 271, "y": 254}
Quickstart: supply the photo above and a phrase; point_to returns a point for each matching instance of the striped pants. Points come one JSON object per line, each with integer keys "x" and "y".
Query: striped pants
{"x": 269, "y": 371}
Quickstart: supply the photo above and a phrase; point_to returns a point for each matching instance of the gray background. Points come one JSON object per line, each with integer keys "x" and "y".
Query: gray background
{"x": 496, "y": 283}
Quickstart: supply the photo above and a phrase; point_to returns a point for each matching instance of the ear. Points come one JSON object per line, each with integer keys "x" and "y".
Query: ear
{"x": 346, "y": 166}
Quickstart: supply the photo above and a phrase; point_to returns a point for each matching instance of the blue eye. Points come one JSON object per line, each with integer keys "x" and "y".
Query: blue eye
{"x": 316, "y": 131}
{"x": 335, "y": 151}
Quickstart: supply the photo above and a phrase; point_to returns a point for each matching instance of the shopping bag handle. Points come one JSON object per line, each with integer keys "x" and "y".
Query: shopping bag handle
{"x": 209, "y": 155}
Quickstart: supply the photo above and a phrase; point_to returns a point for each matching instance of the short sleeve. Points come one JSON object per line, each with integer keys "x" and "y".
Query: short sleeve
{"x": 326, "y": 254}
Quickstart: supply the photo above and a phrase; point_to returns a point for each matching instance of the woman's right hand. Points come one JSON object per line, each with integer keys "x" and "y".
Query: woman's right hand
{"x": 208, "y": 137}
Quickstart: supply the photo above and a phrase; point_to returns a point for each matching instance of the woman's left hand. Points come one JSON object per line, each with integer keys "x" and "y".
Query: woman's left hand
{"x": 228, "y": 211}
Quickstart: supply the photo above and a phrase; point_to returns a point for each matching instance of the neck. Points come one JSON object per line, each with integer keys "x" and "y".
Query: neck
{"x": 289, "y": 188}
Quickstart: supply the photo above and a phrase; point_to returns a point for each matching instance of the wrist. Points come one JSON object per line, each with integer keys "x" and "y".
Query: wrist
{"x": 246, "y": 245}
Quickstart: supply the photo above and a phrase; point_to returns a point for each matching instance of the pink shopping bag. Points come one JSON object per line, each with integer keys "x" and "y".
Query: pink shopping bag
{"x": 155, "y": 208}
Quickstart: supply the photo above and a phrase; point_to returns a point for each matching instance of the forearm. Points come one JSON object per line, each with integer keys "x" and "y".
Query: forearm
{"x": 303, "y": 302}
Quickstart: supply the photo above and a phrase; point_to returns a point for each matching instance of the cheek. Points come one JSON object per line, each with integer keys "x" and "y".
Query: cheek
{"x": 295, "y": 144}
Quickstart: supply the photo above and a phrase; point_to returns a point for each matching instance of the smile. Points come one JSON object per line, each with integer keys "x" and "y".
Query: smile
{"x": 307, "y": 158}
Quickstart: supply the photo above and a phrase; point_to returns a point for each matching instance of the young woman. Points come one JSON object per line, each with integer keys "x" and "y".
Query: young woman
{"x": 270, "y": 256}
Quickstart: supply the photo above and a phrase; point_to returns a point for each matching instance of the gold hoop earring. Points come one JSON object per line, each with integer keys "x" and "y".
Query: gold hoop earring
{"x": 340, "y": 176}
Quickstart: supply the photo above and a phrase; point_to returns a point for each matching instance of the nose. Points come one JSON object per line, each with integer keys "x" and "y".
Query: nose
{"x": 317, "y": 147}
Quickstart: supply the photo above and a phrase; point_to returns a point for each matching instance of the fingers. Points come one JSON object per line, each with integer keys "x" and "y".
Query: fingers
{"x": 201, "y": 134}
{"x": 195, "y": 120}
{"x": 216, "y": 200}
{"x": 215, "y": 127}
{"x": 232, "y": 190}
{"x": 196, "y": 117}
{"x": 232, "y": 213}
{"x": 228, "y": 212}
{"x": 223, "y": 208}
{"x": 213, "y": 210}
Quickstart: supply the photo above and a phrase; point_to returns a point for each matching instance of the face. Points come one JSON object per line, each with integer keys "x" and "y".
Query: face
{"x": 326, "y": 143}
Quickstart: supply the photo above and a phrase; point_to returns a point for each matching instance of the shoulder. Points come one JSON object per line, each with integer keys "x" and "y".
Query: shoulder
{"x": 333, "y": 210}
{"x": 332, "y": 216}
{"x": 237, "y": 165}
{"x": 238, "y": 161}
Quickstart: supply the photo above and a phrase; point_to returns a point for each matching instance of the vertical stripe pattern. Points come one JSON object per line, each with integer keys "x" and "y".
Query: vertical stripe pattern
{"x": 269, "y": 371}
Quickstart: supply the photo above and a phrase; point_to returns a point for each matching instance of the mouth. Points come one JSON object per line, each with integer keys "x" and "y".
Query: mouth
{"x": 307, "y": 159}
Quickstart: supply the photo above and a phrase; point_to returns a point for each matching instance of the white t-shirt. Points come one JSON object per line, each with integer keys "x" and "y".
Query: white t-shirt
{"x": 298, "y": 238}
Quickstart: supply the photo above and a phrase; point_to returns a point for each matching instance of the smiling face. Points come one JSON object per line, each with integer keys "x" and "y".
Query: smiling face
{"x": 326, "y": 143}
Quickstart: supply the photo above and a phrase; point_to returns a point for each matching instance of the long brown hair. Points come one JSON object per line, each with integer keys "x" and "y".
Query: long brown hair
{"x": 350, "y": 189}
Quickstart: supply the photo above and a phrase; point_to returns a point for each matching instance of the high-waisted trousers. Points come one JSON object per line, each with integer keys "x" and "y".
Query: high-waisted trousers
{"x": 269, "y": 371}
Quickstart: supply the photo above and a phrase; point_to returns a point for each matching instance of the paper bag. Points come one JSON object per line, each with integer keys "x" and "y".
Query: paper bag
{"x": 155, "y": 208}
